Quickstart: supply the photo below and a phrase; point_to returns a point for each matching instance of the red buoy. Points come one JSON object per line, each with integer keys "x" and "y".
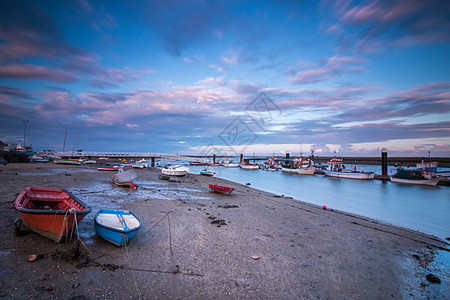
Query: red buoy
{"x": 132, "y": 186}
{"x": 324, "y": 207}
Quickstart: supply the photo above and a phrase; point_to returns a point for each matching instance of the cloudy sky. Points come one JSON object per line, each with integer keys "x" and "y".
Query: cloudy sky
{"x": 227, "y": 76}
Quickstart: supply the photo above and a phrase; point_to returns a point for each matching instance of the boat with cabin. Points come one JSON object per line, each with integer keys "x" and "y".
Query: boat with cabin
{"x": 175, "y": 170}
{"x": 409, "y": 176}
{"x": 336, "y": 168}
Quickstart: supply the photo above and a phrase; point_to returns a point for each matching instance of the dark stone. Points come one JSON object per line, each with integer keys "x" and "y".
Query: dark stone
{"x": 433, "y": 278}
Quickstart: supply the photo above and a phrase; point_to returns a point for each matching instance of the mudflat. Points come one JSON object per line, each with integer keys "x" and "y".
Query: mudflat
{"x": 197, "y": 244}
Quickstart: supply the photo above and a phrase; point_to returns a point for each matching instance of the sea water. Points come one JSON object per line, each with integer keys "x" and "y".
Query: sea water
{"x": 422, "y": 208}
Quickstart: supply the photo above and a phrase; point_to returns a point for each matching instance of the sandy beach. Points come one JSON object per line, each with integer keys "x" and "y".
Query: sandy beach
{"x": 196, "y": 244}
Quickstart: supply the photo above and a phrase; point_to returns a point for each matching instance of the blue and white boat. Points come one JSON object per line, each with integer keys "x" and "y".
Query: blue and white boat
{"x": 116, "y": 226}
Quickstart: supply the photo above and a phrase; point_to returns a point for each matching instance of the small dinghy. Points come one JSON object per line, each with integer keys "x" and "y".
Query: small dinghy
{"x": 207, "y": 172}
{"x": 221, "y": 189}
{"x": 109, "y": 168}
{"x": 164, "y": 177}
{"x": 124, "y": 178}
{"x": 116, "y": 226}
{"x": 52, "y": 213}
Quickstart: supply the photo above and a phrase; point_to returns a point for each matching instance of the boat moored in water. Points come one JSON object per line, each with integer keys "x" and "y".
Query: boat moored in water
{"x": 52, "y": 213}
{"x": 421, "y": 177}
{"x": 336, "y": 168}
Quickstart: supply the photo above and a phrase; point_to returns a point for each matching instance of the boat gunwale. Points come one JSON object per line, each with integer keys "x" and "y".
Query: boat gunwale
{"x": 87, "y": 209}
{"x": 115, "y": 229}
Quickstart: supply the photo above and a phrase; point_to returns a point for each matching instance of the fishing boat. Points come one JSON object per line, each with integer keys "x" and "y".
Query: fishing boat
{"x": 306, "y": 167}
{"x": 109, "y": 168}
{"x": 116, "y": 226}
{"x": 229, "y": 164}
{"x": 409, "y": 176}
{"x": 336, "y": 168}
{"x": 207, "y": 172}
{"x": 124, "y": 178}
{"x": 67, "y": 162}
{"x": 248, "y": 166}
{"x": 52, "y": 213}
{"x": 221, "y": 189}
{"x": 176, "y": 170}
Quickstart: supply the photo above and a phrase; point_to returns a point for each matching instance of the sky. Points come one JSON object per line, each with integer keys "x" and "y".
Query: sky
{"x": 227, "y": 77}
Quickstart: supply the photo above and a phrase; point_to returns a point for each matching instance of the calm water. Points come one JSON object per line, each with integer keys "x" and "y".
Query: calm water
{"x": 423, "y": 208}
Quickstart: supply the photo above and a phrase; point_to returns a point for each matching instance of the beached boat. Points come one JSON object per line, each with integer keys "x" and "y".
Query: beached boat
{"x": 336, "y": 168}
{"x": 138, "y": 166}
{"x": 414, "y": 177}
{"x": 109, "y": 168}
{"x": 207, "y": 172}
{"x": 52, "y": 213}
{"x": 221, "y": 189}
{"x": 175, "y": 170}
{"x": 116, "y": 226}
{"x": 124, "y": 178}
{"x": 164, "y": 177}
{"x": 67, "y": 162}
{"x": 39, "y": 158}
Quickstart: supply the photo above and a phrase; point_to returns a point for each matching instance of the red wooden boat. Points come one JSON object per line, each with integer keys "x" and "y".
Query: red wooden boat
{"x": 50, "y": 212}
{"x": 221, "y": 189}
{"x": 109, "y": 168}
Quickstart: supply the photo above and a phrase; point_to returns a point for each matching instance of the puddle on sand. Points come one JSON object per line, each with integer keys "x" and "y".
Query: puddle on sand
{"x": 106, "y": 194}
{"x": 437, "y": 263}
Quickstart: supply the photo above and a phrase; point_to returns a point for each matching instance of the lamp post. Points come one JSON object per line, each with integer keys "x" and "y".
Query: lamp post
{"x": 25, "y": 133}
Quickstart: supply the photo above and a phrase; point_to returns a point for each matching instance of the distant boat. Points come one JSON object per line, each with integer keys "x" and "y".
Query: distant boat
{"x": 21, "y": 153}
{"x": 124, "y": 178}
{"x": 337, "y": 169}
{"x": 109, "y": 168}
{"x": 306, "y": 167}
{"x": 138, "y": 166}
{"x": 164, "y": 177}
{"x": 221, "y": 189}
{"x": 248, "y": 166}
{"x": 52, "y": 213}
{"x": 229, "y": 164}
{"x": 175, "y": 170}
{"x": 116, "y": 226}
{"x": 414, "y": 177}
{"x": 67, "y": 162}
{"x": 207, "y": 172}
{"x": 39, "y": 158}
{"x": 197, "y": 163}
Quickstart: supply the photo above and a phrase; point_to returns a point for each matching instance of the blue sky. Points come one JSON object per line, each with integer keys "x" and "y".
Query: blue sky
{"x": 228, "y": 77}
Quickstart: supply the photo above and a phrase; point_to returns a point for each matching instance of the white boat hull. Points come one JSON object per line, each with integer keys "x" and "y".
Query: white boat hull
{"x": 287, "y": 170}
{"x": 249, "y": 167}
{"x": 350, "y": 175}
{"x": 307, "y": 171}
{"x": 231, "y": 165}
{"x": 175, "y": 171}
{"x": 416, "y": 181}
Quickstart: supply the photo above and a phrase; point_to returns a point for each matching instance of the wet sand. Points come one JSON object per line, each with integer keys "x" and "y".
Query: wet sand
{"x": 270, "y": 247}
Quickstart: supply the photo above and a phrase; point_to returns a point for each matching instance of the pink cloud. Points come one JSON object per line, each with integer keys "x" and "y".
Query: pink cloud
{"x": 29, "y": 71}
{"x": 326, "y": 69}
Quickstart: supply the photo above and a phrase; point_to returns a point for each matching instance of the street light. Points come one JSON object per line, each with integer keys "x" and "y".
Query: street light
{"x": 25, "y": 133}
